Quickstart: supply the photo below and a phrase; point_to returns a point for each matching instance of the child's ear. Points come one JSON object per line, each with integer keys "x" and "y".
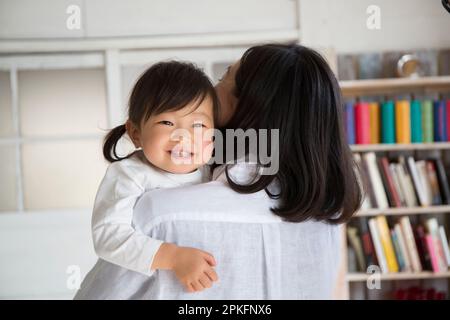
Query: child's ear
{"x": 134, "y": 133}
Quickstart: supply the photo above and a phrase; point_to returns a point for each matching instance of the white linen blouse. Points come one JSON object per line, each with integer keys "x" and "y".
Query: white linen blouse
{"x": 258, "y": 255}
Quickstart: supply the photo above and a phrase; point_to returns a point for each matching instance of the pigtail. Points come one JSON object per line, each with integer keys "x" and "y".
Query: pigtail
{"x": 110, "y": 143}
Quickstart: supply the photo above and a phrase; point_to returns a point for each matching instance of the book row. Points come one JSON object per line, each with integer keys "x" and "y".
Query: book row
{"x": 401, "y": 181}
{"x": 401, "y": 121}
{"x": 395, "y": 244}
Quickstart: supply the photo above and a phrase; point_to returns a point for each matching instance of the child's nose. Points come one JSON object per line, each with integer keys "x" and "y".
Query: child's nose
{"x": 182, "y": 139}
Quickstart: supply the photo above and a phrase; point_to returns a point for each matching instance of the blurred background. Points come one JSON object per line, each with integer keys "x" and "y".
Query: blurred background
{"x": 66, "y": 70}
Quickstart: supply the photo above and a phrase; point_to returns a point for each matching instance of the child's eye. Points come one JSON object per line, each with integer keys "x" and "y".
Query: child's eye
{"x": 166, "y": 123}
{"x": 198, "y": 125}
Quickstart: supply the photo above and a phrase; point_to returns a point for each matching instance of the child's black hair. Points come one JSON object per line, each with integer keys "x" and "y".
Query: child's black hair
{"x": 165, "y": 86}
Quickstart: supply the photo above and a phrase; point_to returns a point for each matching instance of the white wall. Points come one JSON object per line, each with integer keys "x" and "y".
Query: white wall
{"x": 22, "y": 19}
{"x": 405, "y": 25}
{"x": 37, "y": 249}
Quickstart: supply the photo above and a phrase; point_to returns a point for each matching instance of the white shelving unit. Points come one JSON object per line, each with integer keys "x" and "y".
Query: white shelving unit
{"x": 361, "y": 277}
{"x": 387, "y": 87}
{"x": 120, "y": 47}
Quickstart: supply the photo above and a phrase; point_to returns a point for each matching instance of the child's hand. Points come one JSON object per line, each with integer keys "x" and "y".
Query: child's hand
{"x": 194, "y": 268}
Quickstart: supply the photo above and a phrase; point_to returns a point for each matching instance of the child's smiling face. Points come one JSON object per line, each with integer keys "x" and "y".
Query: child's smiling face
{"x": 177, "y": 141}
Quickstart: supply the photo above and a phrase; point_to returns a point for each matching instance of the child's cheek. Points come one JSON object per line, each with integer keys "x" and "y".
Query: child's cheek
{"x": 155, "y": 143}
{"x": 208, "y": 147}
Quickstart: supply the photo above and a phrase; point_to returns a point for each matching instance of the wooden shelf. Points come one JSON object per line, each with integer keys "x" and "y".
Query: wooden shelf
{"x": 394, "y": 85}
{"x": 404, "y": 211}
{"x": 400, "y": 146}
{"x": 361, "y": 277}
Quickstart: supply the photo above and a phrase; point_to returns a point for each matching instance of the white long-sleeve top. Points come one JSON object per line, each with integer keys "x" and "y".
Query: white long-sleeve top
{"x": 115, "y": 238}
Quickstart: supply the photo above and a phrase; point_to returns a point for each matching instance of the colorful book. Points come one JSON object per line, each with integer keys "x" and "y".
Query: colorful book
{"x": 418, "y": 184}
{"x": 421, "y": 166}
{"x": 422, "y": 247}
{"x": 397, "y": 250}
{"x": 434, "y": 182}
{"x": 416, "y": 122}
{"x": 386, "y": 242}
{"x": 403, "y": 247}
{"x": 402, "y": 121}
{"x": 350, "y": 122}
{"x": 374, "y": 110}
{"x": 445, "y": 246}
{"x": 388, "y": 181}
{"x": 368, "y": 248}
{"x": 362, "y": 123}
{"x": 411, "y": 243}
{"x": 433, "y": 254}
{"x": 427, "y": 120}
{"x": 375, "y": 180}
{"x": 408, "y": 182}
{"x": 443, "y": 182}
{"x": 438, "y": 259}
{"x": 387, "y": 122}
{"x": 398, "y": 187}
{"x": 355, "y": 242}
{"x": 378, "y": 246}
{"x": 440, "y": 121}
{"x": 447, "y": 113}
{"x": 363, "y": 180}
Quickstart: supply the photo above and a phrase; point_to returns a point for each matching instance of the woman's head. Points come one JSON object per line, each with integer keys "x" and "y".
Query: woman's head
{"x": 292, "y": 88}
{"x": 167, "y": 103}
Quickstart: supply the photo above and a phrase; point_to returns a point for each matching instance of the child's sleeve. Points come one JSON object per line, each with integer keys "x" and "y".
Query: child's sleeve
{"x": 115, "y": 239}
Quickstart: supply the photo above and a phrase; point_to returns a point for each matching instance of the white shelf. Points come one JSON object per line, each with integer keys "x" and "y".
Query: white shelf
{"x": 404, "y": 211}
{"x": 399, "y": 146}
{"x": 394, "y": 85}
{"x": 218, "y": 39}
{"x": 361, "y": 277}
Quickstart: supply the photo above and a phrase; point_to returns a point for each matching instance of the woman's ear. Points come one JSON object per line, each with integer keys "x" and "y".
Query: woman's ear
{"x": 134, "y": 133}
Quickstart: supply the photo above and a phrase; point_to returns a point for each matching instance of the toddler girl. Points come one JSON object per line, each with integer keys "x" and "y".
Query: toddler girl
{"x": 171, "y": 108}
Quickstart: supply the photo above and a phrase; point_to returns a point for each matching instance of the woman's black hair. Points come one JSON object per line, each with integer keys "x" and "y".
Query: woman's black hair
{"x": 165, "y": 86}
{"x": 292, "y": 88}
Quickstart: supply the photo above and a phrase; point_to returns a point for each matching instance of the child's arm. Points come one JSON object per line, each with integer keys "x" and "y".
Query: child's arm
{"x": 115, "y": 240}
{"x": 192, "y": 267}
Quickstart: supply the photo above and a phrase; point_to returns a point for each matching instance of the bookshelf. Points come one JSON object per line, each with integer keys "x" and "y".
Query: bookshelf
{"x": 389, "y": 87}
{"x": 360, "y": 277}
{"x": 400, "y": 147}
{"x": 404, "y": 211}
{"x": 355, "y": 88}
